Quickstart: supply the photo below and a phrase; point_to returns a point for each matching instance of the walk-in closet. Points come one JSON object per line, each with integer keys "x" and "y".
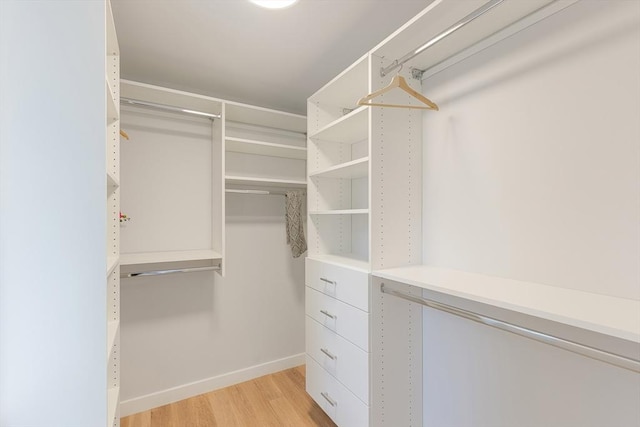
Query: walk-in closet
{"x": 357, "y": 213}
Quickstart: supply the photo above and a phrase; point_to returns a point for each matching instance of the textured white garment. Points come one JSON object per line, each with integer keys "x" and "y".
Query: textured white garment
{"x": 295, "y": 230}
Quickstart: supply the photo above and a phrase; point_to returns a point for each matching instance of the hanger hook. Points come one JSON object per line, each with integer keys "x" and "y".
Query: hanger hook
{"x": 399, "y": 69}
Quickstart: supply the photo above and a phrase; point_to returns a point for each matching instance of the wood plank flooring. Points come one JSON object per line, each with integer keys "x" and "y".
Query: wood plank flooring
{"x": 275, "y": 400}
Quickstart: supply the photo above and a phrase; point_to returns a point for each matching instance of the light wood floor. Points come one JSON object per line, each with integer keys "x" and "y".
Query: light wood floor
{"x": 275, "y": 400}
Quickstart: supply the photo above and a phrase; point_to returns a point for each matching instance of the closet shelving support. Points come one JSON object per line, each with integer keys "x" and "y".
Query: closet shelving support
{"x": 112, "y": 229}
{"x": 241, "y": 145}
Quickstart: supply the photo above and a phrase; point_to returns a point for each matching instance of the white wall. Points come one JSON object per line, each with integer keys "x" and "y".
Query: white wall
{"x": 531, "y": 167}
{"x": 531, "y": 172}
{"x": 192, "y": 328}
{"x": 52, "y": 214}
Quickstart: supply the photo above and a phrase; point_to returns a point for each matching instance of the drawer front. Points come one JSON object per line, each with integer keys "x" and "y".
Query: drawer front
{"x": 345, "y": 284}
{"x": 348, "y": 363}
{"x": 344, "y": 408}
{"x": 346, "y": 320}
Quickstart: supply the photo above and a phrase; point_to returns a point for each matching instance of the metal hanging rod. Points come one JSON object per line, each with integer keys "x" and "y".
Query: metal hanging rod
{"x": 585, "y": 350}
{"x": 263, "y": 192}
{"x": 455, "y": 27}
{"x": 168, "y": 108}
{"x": 171, "y": 271}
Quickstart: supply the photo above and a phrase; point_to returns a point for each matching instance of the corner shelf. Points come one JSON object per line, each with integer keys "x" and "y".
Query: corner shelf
{"x": 348, "y": 129}
{"x": 265, "y": 182}
{"x": 358, "y": 168}
{"x": 113, "y": 328}
{"x": 112, "y": 108}
{"x": 173, "y": 256}
{"x": 248, "y": 146}
{"x": 341, "y": 212}
{"x": 112, "y": 263}
{"x": 112, "y": 181}
{"x": 113, "y": 396}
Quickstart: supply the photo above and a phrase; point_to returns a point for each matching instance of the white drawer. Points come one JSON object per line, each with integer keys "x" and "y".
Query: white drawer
{"x": 348, "y": 321}
{"x": 348, "y": 363}
{"x": 344, "y": 408}
{"x": 345, "y": 284}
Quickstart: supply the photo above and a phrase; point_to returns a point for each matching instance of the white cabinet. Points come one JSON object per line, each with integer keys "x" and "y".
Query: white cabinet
{"x": 112, "y": 146}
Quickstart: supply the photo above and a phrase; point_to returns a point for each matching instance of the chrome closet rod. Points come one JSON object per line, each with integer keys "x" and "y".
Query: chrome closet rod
{"x": 585, "y": 350}
{"x": 169, "y": 108}
{"x": 455, "y": 27}
{"x": 171, "y": 271}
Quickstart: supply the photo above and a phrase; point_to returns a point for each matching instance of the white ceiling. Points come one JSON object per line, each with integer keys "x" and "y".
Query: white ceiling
{"x": 234, "y": 50}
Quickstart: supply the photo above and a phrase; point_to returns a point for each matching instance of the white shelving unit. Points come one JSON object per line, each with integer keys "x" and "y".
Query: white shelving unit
{"x": 253, "y": 133}
{"x": 170, "y": 228}
{"x": 112, "y": 85}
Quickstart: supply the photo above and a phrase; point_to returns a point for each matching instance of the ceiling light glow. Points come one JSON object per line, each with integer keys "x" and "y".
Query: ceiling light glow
{"x": 273, "y": 4}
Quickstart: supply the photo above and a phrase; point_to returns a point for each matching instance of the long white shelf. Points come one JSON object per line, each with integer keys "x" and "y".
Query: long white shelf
{"x": 113, "y": 398}
{"x": 249, "y": 146}
{"x": 265, "y": 182}
{"x": 358, "y": 168}
{"x": 112, "y": 109}
{"x": 176, "y": 256}
{"x": 603, "y": 314}
{"x": 348, "y": 129}
{"x": 112, "y": 332}
{"x": 112, "y": 263}
{"x": 341, "y": 212}
{"x": 352, "y": 261}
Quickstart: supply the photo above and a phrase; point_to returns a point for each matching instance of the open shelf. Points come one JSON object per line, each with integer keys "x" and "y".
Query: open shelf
{"x": 344, "y": 260}
{"x": 265, "y": 182}
{"x": 348, "y": 129}
{"x": 112, "y": 332}
{"x": 241, "y": 145}
{"x": 112, "y": 263}
{"x": 112, "y": 108}
{"x": 341, "y": 212}
{"x": 243, "y": 113}
{"x": 617, "y": 317}
{"x": 113, "y": 397}
{"x": 176, "y": 256}
{"x": 358, "y": 168}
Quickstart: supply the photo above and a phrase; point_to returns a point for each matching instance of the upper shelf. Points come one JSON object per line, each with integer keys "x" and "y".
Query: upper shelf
{"x": 243, "y": 113}
{"x": 441, "y": 15}
{"x": 347, "y": 88}
{"x": 265, "y": 182}
{"x": 358, "y": 168}
{"x": 348, "y": 129}
{"x": 603, "y": 314}
{"x": 241, "y": 145}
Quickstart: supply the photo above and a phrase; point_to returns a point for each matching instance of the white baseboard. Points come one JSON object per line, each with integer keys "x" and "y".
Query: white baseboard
{"x": 174, "y": 394}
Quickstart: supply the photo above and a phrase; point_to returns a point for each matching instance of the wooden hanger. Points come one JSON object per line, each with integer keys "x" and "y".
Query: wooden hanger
{"x": 399, "y": 82}
{"x": 124, "y": 134}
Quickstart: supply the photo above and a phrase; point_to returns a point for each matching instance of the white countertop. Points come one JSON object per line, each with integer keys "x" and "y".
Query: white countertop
{"x": 604, "y": 314}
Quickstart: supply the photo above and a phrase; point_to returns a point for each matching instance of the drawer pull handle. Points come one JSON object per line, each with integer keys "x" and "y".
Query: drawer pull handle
{"x": 328, "y": 399}
{"x": 328, "y": 353}
{"x": 331, "y": 282}
{"x": 329, "y": 315}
